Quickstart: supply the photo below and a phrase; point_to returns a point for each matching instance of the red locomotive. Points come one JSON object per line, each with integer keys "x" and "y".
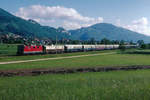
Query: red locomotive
{"x": 22, "y": 49}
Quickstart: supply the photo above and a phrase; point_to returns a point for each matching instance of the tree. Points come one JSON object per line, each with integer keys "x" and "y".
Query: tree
{"x": 144, "y": 46}
{"x": 122, "y": 47}
{"x": 140, "y": 42}
{"x": 131, "y": 42}
{"x": 92, "y": 41}
{"x": 122, "y": 42}
{"x": 105, "y": 41}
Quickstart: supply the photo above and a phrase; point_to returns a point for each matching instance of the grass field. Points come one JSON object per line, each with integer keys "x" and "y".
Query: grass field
{"x": 115, "y": 85}
{"x": 8, "y": 49}
{"x": 92, "y": 61}
{"x": 31, "y": 57}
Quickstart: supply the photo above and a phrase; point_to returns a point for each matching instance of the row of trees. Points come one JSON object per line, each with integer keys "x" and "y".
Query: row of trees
{"x": 11, "y": 39}
{"x": 143, "y": 45}
{"x": 14, "y": 39}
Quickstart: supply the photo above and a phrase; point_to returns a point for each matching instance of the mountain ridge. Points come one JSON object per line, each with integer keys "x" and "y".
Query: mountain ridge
{"x": 109, "y": 31}
{"x": 30, "y": 28}
{"x": 27, "y": 28}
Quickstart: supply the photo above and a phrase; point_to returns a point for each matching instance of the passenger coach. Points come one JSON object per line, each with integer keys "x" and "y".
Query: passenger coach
{"x": 24, "y": 50}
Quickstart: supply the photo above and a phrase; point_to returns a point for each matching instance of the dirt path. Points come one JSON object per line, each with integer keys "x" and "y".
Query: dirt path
{"x": 42, "y": 71}
{"x": 57, "y": 58}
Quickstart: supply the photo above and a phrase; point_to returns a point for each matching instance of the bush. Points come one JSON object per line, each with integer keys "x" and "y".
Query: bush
{"x": 144, "y": 46}
{"x": 122, "y": 47}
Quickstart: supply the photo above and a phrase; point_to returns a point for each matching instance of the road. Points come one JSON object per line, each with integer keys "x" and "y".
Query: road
{"x": 56, "y": 58}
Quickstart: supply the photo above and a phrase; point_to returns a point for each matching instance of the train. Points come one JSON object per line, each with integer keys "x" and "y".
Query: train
{"x": 51, "y": 49}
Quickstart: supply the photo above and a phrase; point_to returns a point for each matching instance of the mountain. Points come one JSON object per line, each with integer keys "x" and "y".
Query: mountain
{"x": 27, "y": 28}
{"x": 109, "y": 31}
{"x": 10, "y": 24}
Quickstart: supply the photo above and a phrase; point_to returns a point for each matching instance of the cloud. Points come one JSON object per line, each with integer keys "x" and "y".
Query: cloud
{"x": 49, "y": 15}
{"x": 140, "y": 25}
{"x": 118, "y": 22}
{"x": 72, "y": 25}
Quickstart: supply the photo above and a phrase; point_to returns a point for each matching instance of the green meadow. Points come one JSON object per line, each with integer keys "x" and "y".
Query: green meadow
{"x": 8, "y": 49}
{"x": 115, "y": 85}
{"x": 91, "y": 61}
{"x": 112, "y": 85}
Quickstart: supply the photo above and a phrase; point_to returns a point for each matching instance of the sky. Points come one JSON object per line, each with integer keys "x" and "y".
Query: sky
{"x": 73, "y": 14}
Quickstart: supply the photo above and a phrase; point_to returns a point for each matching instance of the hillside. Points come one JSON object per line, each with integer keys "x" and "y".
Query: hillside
{"x": 30, "y": 28}
{"x": 109, "y": 31}
{"x": 12, "y": 24}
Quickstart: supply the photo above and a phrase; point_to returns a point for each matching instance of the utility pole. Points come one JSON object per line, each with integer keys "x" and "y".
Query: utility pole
{"x": 56, "y": 44}
{"x": 1, "y": 40}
